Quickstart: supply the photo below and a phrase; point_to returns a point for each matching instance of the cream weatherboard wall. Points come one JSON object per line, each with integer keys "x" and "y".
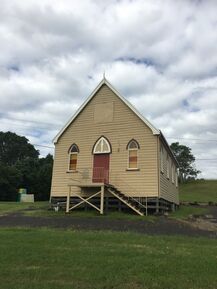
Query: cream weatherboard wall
{"x": 106, "y": 114}
{"x": 168, "y": 187}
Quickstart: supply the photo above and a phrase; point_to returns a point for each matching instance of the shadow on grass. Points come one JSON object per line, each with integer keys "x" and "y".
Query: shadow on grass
{"x": 184, "y": 212}
{"x": 88, "y": 214}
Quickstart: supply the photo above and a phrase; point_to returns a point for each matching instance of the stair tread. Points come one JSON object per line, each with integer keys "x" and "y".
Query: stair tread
{"x": 131, "y": 203}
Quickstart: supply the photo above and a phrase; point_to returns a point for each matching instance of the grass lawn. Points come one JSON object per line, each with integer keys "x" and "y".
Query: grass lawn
{"x": 182, "y": 213}
{"x": 10, "y": 207}
{"x": 43, "y": 212}
{"x": 199, "y": 191}
{"x": 41, "y": 209}
{"x": 185, "y": 211}
{"x": 45, "y": 258}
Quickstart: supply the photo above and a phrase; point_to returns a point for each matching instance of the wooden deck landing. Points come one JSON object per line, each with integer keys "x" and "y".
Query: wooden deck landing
{"x": 91, "y": 185}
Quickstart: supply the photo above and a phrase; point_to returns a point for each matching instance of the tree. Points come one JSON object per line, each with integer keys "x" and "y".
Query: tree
{"x": 10, "y": 177}
{"x": 186, "y": 160}
{"x": 36, "y": 176}
{"x": 14, "y": 148}
{"x": 44, "y": 177}
{"x": 21, "y": 167}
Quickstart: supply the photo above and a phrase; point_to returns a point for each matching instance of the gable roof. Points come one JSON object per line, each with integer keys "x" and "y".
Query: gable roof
{"x": 162, "y": 137}
{"x": 154, "y": 130}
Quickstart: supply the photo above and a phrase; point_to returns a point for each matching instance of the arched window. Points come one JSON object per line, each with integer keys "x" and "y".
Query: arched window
{"x": 133, "y": 147}
{"x": 73, "y": 157}
{"x": 102, "y": 146}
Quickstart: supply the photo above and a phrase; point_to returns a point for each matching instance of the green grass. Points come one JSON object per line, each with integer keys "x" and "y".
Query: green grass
{"x": 199, "y": 191}
{"x": 44, "y": 212}
{"x": 185, "y": 211}
{"x": 11, "y": 207}
{"x": 41, "y": 209}
{"x": 42, "y": 258}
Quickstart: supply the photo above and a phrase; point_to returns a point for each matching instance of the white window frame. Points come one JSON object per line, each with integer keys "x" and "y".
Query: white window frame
{"x": 132, "y": 149}
{"x": 101, "y": 140}
{"x": 168, "y": 167}
{"x": 173, "y": 171}
{"x": 177, "y": 178}
{"x": 69, "y": 159}
{"x": 161, "y": 159}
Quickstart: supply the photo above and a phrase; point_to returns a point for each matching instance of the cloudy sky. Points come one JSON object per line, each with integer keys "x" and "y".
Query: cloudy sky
{"x": 160, "y": 55}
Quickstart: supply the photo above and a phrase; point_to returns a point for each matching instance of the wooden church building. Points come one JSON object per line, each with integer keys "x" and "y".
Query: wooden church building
{"x": 110, "y": 156}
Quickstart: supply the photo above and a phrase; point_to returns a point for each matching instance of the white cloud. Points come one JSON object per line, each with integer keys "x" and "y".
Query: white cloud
{"x": 160, "y": 55}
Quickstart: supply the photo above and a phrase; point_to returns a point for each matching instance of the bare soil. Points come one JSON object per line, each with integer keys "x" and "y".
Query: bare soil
{"x": 202, "y": 226}
{"x": 207, "y": 222}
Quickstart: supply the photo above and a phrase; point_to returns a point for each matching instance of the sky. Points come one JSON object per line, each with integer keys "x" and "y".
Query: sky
{"x": 160, "y": 55}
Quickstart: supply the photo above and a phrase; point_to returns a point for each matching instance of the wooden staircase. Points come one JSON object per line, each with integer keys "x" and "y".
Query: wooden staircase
{"x": 131, "y": 202}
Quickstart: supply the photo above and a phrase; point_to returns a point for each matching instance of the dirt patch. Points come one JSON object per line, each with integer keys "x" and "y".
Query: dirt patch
{"x": 203, "y": 224}
{"x": 162, "y": 226}
{"x": 206, "y": 222}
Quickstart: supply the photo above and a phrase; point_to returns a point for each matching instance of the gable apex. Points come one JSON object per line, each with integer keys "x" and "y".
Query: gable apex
{"x": 154, "y": 130}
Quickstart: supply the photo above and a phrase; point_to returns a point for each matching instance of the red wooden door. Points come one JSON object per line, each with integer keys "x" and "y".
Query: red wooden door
{"x": 101, "y": 168}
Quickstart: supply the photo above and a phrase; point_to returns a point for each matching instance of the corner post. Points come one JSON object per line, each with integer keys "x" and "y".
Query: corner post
{"x": 102, "y": 200}
{"x": 157, "y": 205}
{"x": 68, "y": 200}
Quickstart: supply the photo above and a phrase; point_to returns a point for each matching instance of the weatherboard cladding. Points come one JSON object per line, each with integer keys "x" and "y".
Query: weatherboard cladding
{"x": 105, "y": 82}
{"x": 168, "y": 190}
{"x": 125, "y": 125}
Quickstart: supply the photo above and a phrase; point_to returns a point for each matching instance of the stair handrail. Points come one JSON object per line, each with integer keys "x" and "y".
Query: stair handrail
{"x": 130, "y": 197}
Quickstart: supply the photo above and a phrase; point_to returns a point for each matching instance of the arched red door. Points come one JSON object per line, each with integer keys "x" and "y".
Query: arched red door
{"x": 101, "y": 158}
{"x": 101, "y": 168}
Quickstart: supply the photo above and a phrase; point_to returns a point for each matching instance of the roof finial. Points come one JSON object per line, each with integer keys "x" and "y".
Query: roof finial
{"x": 104, "y": 74}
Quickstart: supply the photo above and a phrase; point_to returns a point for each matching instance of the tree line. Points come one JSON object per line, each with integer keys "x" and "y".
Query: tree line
{"x": 21, "y": 167}
{"x": 186, "y": 160}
